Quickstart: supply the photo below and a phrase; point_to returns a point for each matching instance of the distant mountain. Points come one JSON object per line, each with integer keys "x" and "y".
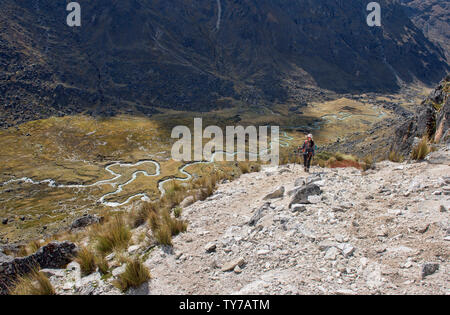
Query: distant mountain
{"x": 139, "y": 55}
{"x": 433, "y": 18}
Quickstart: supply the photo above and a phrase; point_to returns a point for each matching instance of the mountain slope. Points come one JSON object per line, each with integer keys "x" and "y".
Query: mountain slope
{"x": 197, "y": 55}
{"x": 433, "y": 18}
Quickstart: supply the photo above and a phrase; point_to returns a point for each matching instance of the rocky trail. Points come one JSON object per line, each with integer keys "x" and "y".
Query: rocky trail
{"x": 282, "y": 231}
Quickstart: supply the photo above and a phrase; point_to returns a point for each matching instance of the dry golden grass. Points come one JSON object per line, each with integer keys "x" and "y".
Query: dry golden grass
{"x": 163, "y": 235}
{"x": 175, "y": 225}
{"x": 34, "y": 283}
{"x": 368, "y": 163}
{"x": 102, "y": 264}
{"x": 86, "y": 259}
{"x": 112, "y": 235}
{"x": 135, "y": 274}
{"x": 421, "y": 150}
{"x": 139, "y": 216}
{"x": 396, "y": 157}
{"x": 244, "y": 167}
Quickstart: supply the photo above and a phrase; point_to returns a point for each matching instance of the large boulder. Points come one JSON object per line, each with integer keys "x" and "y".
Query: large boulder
{"x": 53, "y": 255}
{"x": 301, "y": 195}
{"x": 85, "y": 221}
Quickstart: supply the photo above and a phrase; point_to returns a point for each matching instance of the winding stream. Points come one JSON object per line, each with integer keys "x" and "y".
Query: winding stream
{"x": 188, "y": 176}
{"x": 112, "y": 181}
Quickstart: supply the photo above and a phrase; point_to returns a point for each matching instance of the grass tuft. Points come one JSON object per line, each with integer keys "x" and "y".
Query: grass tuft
{"x": 177, "y": 212}
{"x": 86, "y": 259}
{"x": 113, "y": 235}
{"x": 421, "y": 150}
{"x": 34, "y": 283}
{"x": 368, "y": 163}
{"x": 163, "y": 235}
{"x": 396, "y": 157}
{"x": 135, "y": 274}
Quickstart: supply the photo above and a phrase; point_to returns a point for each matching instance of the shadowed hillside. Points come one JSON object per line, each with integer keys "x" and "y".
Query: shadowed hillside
{"x": 138, "y": 56}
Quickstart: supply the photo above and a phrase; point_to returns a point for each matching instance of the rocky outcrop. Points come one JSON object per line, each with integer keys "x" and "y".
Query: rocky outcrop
{"x": 443, "y": 122}
{"x": 431, "y": 16}
{"x": 52, "y": 255}
{"x": 85, "y": 221}
{"x": 302, "y": 194}
{"x": 431, "y": 120}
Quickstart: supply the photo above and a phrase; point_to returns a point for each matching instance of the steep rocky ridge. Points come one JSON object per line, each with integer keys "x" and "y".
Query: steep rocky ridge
{"x": 431, "y": 119}
{"x": 433, "y": 17}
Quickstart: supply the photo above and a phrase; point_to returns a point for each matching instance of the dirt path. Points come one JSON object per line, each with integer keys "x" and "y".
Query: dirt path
{"x": 364, "y": 234}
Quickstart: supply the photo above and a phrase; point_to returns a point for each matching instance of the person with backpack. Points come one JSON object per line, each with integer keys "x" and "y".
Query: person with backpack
{"x": 308, "y": 150}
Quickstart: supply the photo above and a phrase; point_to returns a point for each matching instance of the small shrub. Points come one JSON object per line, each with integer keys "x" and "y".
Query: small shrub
{"x": 344, "y": 164}
{"x": 113, "y": 235}
{"x": 244, "y": 167}
{"x": 421, "y": 150}
{"x": 34, "y": 246}
{"x": 163, "y": 235}
{"x": 135, "y": 274}
{"x": 368, "y": 163}
{"x": 177, "y": 212}
{"x": 139, "y": 216}
{"x": 175, "y": 226}
{"x": 345, "y": 157}
{"x": 86, "y": 259}
{"x": 396, "y": 157}
{"x": 102, "y": 264}
{"x": 154, "y": 221}
{"x": 34, "y": 283}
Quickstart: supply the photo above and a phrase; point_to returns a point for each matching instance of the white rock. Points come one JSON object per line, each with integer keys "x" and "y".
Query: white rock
{"x": 263, "y": 252}
{"x": 347, "y": 249}
{"x": 110, "y": 257}
{"x": 326, "y": 245}
{"x": 232, "y": 264}
{"x": 314, "y": 199}
{"x": 119, "y": 270}
{"x": 133, "y": 249}
{"x": 345, "y": 292}
{"x": 210, "y": 247}
{"x": 331, "y": 253}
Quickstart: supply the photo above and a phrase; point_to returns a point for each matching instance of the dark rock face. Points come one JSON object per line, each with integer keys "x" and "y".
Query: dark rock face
{"x": 431, "y": 16}
{"x": 301, "y": 196}
{"x": 85, "y": 221}
{"x": 134, "y": 56}
{"x": 431, "y": 119}
{"x": 53, "y": 255}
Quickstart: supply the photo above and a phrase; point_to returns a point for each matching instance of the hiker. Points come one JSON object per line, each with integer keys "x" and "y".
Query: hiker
{"x": 308, "y": 152}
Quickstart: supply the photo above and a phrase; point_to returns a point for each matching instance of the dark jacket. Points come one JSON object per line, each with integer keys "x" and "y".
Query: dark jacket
{"x": 308, "y": 147}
